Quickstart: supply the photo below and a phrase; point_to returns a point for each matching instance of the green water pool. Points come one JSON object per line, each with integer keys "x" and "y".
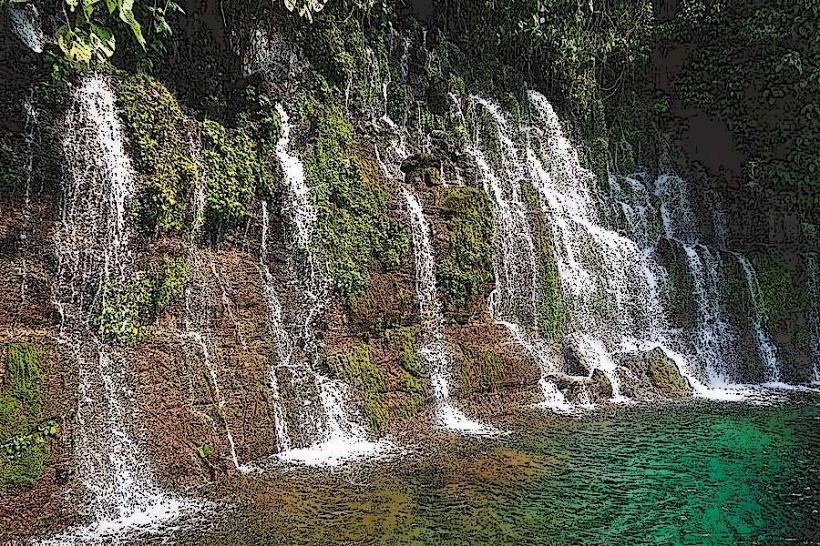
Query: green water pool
{"x": 701, "y": 473}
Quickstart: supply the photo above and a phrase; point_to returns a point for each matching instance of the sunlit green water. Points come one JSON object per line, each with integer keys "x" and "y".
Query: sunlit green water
{"x": 702, "y": 474}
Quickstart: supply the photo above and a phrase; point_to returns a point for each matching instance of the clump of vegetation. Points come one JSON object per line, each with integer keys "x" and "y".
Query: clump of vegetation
{"x": 468, "y": 266}
{"x": 783, "y": 293}
{"x": 204, "y": 450}
{"x": 230, "y": 163}
{"x": 481, "y": 371}
{"x": 411, "y": 373}
{"x": 369, "y": 380}
{"x": 24, "y": 374}
{"x": 24, "y": 437}
{"x": 125, "y": 310}
{"x": 155, "y": 122}
{"x": 355, "y": 231}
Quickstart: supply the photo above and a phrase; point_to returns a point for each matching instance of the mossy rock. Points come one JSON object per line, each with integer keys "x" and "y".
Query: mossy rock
{"x": 654, "y": 375}
{"x": 600, "y": 386}
{"x": 24, "y": 439}
{"x": 481, "y": 370}
{"x": 422, "y": 170}
{"x": 466, "y": 270}
{"x": 356, "y": 232}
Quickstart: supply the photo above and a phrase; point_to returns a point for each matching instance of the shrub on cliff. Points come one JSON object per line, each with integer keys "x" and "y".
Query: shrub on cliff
{"x": 155, "y": 122}
{"x": 125, "y": 310}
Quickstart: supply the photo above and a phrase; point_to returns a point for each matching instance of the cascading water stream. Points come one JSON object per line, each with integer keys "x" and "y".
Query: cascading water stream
{"x": 92, "y": 244}
{"x": 338, "y": 437}
{"x": 199, "y": 298}
{"x": 434, "y": 349}
{"x": 765, "y": 347}
{"x": 814, "y": 317}
{"x": 516, "y": 296}
{"x": 716, "y": 339}
{"x": 280, "y": 337}
{"x": 514, "y": 302}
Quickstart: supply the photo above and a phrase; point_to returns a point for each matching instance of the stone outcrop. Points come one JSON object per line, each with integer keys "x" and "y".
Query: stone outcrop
{"x": 652, "y": 375}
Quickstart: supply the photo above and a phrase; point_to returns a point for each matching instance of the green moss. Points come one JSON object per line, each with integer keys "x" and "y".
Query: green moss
{"x": 369, "y": 380}
{"x": 781, "y": 289}
{"x": 262, "y": 123}
{"x": 24, "y": 374}
{"x": 598, "y": 157}
{"x": 549, "y": 314}
{"x": 8, "y": 409}
{"x": 468, "y": 265}
{"x": 355, "y": 232}
{"x": 170, "y": 282}
{"x": 126, "y": 309}
{"x": 550, "y": 308}
{"x": 480, "y": 371}
{"x": 231, "y": 168}
{"x": 156, "y": 123}
{"x": 24, "y": 443}
{"x": 414, "y": 392}
{"x": 24, "y": 469}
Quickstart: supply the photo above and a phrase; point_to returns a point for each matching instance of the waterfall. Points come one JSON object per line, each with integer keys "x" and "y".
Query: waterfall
{"x": 814, "y": 317}
{"x": 715, "y": 338}
{"x": 609, "y": 283}
{"x": 199, "y": 303}
{"x": 280, "y": 337}
{"x": 338, "y": 438}
{"x": 514, "y": 302}
{"x": 765, "y": 347}
{"x": 92, "y": 245}
{"x": 516, "y": 296}
{"x": 434, "y": 350}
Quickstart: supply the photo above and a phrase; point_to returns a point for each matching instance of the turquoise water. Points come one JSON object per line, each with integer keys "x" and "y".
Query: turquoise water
{"x": 695, "y": 474}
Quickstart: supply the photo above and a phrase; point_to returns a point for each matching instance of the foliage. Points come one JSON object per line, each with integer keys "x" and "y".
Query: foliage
{"x": 565, "y": 45}
{"x": 411, "y": 375}
{"x": 89, "y": 34}
{"x": 204, "y": 450}
{"x": 21, "y": 443}
{"x": 24, "y": 439}
{"x": 230, "y": 164}
{"x": 785, "y": 296}
{"x": 354, "y": 229}
{"x": 24, "y": 375}
{"x": 263, "y": 124}
{"x": 369, "y": 380}
{"x": 467, "y": 267}
{"x": 24, "y": 469}
{"x": 156, "y": 122}
{"x": 126, "y": 309}
{"x": 756, "y": 66}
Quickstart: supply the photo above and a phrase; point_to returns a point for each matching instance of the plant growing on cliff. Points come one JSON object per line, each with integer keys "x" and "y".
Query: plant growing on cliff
{"x": 355, "y": 232}
{"x": 230, "y": 163}
{"x": 125, "y": 310}
{"x": 156, "y": 123}
{"x": 467, "y": 268}
{"x": 24, "y": 439}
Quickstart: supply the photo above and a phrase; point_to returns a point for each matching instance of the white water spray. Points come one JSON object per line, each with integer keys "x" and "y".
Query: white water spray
{"x": 767, "y": 350}
{"x": 338, "y": 438}
{"x": 434, "y": 349}
{"x": 92, "y": 244}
